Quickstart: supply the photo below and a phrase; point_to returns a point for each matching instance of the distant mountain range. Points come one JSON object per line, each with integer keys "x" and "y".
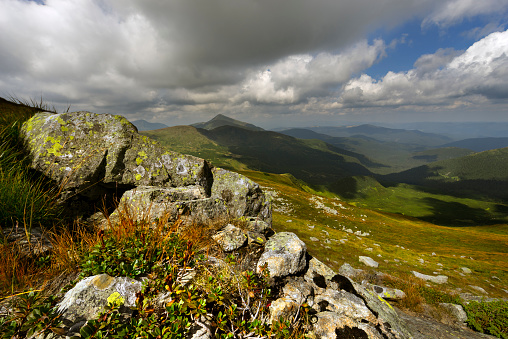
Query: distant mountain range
{"x": 479, "y": 144}
{"x": 327, "y": 156}
{"x": 143, "y": 125}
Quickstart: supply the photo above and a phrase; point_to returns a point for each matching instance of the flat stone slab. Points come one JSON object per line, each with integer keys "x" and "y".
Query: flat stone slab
{"x": 439, "y": 279}
{"x": 368, "y": 261}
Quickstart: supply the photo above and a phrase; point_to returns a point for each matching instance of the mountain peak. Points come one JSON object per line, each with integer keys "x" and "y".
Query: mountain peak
{"x": 221, "y": 120}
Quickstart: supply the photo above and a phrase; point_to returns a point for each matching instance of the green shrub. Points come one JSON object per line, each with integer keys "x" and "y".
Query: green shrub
{"x": 133, "y": 256}
{"x": 488, "y": 317}
{"x": 31, "y": 314}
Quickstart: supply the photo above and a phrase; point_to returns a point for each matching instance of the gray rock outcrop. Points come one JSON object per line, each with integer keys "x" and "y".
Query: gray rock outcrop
{"x": 93, "y": 157}
{"x": 284, "y": 255}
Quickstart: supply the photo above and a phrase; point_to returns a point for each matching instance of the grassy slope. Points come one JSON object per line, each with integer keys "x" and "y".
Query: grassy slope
{"x": 296, "y": 210}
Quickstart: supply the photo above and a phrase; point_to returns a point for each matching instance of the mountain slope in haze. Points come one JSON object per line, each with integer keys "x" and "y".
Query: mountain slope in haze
{"x": 395, "y": 156}
{"x": 143, "y": 125}
{"x": 481, "y": 173}
{"x": 409, "y": 137}
{"x": 480, "y": 144}
{"x": 222, "y": 120}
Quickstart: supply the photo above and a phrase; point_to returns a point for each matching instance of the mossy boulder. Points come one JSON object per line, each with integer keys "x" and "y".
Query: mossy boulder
{"x": 89, "y": 154}
{"x": 96, "y": 158}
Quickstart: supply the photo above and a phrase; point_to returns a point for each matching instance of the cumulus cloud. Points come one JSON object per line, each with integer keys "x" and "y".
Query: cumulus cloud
{"x": 450, "y": 12}
{"x": 180, "y": 56}
{"x": 441, "y": 79}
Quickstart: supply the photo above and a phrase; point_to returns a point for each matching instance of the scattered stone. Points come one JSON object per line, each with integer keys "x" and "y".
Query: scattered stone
{"x": 466, "y": 270}
{"x": 368, "y": 261}
{"x": 313, "y": 239}
{"x": 230, "y": 238}
{"x": 440, "y": 279}
{"x": 456, "y": 311}
{"x": 421, "y": 261}
{"x": 479, "y": 289}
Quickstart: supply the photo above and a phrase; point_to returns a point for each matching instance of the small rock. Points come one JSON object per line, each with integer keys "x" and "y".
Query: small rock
{"x": 284, "y": 254}
{"x": 456, "y": 310}
{"x": 466, "y": 270}
{"x": 440, "y": 279}
{"x": 479, "y": 289}
{"x": 368, "y": 261}
{"x": 314, "y": 239}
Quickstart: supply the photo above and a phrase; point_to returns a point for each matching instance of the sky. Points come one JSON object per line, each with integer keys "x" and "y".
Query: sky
{"x": 273, "y": 63}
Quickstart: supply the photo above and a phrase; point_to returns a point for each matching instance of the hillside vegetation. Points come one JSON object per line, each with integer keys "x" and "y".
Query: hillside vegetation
{"x": 390, "y": 156}
{"x": 480, "y": 175}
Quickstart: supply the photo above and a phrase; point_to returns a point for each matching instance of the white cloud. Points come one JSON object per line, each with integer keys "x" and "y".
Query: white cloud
{"x": 451, "y": 12}
{"x": 478, "y": 74}
{"x": 131, "y": 56}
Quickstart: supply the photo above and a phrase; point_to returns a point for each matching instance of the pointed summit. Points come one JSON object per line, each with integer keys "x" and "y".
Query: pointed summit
{"x": 221, "y": 120}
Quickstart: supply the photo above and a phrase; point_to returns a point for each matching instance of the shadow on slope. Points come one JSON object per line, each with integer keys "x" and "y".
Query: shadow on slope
{"x": 446, "y": 213}
{"x": 277, "y": 153}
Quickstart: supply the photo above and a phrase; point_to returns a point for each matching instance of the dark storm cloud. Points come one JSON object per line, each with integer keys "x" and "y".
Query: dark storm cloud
{"x": 178, "y": 57}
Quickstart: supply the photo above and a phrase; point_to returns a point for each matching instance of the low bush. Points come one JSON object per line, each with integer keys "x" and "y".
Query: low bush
{"x": 488, "y": 317}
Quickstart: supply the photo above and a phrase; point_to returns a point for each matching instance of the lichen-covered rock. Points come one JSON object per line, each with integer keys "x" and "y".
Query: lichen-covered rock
{"x": 299, "y": 290}
{"x": 90, "y": 295}
{"x": 84, "y": 152}
{"x": 285, "y": 308}
{"x": 389, "y": 323}
{"x": 457, "y": 311}
{"x": 257, "y": 225}
{"x": 284, "y": 255}
{"x": 243, "y": 196}
{"x": 230, "y": 238}
{"x": 344, "y": 303}
{"x": 386, "y": 293}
